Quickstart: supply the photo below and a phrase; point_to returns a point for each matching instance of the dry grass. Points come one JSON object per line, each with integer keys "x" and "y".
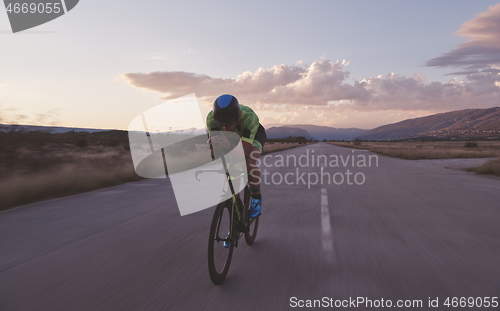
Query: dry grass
{"x": 429, "y": 150}
{"x": 492, "y": 167}
{"x": 437, "y": 150}
{"x": 31, "y": 173}
{"x": 56, "y": 171}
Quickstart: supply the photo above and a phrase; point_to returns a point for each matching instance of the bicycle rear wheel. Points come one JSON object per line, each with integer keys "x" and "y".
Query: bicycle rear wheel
{"x": 219, "y": 257}
{"x": 253, "y": 223}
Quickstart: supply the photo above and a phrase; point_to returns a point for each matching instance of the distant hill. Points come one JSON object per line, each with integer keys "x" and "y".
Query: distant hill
{"x": 466, "y": 123}
{"x": 48, "y": 129}
{"x": 57, "y": 129}
{"x": 284, "y": 132}
{"x": 330, "y": 133}
{"x": 314, "y": 131}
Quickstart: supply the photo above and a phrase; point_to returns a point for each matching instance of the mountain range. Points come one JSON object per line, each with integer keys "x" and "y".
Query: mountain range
{"x": 468, "y": 123}
{"x": 460, "y": 124}
{"x": 314, "y": 132}
{"x": 286, "y": 131}
{"x": 48, "y": 129}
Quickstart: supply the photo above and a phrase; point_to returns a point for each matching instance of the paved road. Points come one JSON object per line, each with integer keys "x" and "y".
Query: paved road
{"x": 411, "y": 231}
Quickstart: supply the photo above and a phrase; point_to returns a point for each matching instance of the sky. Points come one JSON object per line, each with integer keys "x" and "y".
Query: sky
{"x": 342, "y": 64}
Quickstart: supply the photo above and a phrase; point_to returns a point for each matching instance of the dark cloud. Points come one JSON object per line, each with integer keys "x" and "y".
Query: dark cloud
{"x": 482, "y": 50}
{"x": 492, "y": 70}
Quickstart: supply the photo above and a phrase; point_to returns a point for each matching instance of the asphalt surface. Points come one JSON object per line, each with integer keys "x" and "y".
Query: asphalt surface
{"x": 411, "y": 231}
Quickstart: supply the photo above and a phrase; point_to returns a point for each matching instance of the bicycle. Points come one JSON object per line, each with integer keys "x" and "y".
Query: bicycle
{"x": 229, "y": 223}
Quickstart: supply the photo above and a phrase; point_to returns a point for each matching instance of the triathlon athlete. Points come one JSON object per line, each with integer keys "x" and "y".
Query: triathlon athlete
{"x": 229, "y": 115}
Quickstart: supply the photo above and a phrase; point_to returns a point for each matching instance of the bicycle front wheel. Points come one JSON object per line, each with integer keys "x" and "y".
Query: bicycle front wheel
{"x": 219, "y": 257}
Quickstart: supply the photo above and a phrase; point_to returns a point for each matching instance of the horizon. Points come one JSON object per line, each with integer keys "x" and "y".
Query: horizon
{"x": 270, "y": 125}
{"x": 370, "y": 66}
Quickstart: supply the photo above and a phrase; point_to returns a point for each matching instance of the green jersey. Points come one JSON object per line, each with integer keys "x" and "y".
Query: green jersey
{"x": 246, "y": 127}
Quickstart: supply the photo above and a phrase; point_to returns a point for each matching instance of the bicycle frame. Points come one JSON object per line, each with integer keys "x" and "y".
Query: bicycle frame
{"x": 234, "y": 232}
{"x": 234, "y": 197}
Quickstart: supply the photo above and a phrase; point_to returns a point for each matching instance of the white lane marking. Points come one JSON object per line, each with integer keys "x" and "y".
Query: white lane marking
{"x": 326, "y": 227}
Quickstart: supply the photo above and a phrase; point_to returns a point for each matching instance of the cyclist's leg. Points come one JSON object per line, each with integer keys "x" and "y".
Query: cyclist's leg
{"x": 253, "y": 169}
{"x": 254, "y": 182}
{"x": 255, "y": 152}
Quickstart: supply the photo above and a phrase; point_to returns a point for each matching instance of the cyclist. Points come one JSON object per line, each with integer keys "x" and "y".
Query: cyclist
{"x": 229, "y": 115}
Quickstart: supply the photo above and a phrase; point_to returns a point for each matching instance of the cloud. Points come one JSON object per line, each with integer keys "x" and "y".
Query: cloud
{"x": 49, "y": 118}
{"x": 482, "y": 50}
{"x": 396, "y": 92}
{"x": 322, "y": 82}
{"x": 178, "y": 83}
{"x": 10, "y": 115}
{"x": 323, "y": 85}
{"x": 281, "y": 84}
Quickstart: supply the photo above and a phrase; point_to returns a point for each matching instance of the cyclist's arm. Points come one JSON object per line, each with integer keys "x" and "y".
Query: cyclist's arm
{"x": 250, "y": 123}
{"x": 215, "y": 135}
{"x": 251, "y": 126}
